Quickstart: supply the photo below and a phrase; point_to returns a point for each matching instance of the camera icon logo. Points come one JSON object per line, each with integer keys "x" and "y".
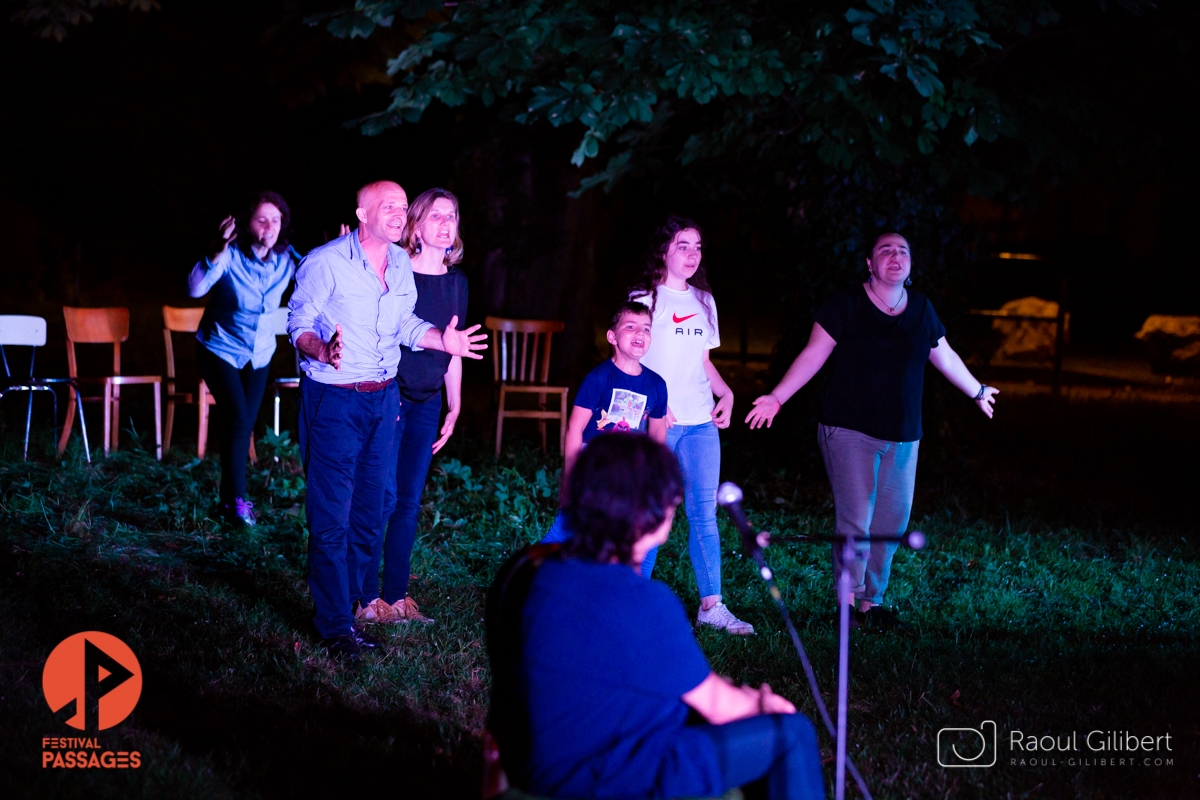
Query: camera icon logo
{"x": 967, "y": 747}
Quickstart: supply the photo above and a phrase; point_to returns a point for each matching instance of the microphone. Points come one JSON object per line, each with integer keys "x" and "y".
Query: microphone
{"x": 729, "y": 497}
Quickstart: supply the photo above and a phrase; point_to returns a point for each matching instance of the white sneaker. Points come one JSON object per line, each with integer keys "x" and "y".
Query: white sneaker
{"x": 721, "y": 617}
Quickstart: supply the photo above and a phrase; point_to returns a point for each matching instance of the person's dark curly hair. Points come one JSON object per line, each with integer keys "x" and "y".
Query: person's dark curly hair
{"x": 622, "y": 487}
{"x": 655, "y": 271}
{"x": 245, "y": 238}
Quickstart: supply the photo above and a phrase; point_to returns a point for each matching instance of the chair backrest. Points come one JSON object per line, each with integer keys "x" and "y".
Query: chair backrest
{"x": 503, "y": 615}
{"x": 279, "y": 318}
{"x": 95, "y": 326}
{"x": 16, "y": 329}
{"x": 21, "y": 330}
{"x": 183, "y": 320}
{"x": 515, "y": 346}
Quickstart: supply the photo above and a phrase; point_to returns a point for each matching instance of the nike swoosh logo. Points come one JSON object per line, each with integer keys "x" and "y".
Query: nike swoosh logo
{"x": 682, "y": 319}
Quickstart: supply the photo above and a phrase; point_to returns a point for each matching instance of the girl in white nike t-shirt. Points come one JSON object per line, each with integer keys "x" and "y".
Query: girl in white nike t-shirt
{"x": 684, "y": 329}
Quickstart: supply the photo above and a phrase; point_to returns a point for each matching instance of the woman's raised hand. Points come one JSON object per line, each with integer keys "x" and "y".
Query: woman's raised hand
{"x": 985, "y": 402}
{"x": 228, "y": 232}
{"x": 764, "y": 411}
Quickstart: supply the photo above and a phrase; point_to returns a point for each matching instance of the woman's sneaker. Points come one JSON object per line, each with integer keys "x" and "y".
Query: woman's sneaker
{"x": 376, "y": 611}
{"x": 407, "y": 611}
{"x": 721, "y": 617}
{"x": 239, "y": 513}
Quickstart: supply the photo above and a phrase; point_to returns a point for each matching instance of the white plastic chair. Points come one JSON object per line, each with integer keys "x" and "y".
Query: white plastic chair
{"x": 279, "y": 319}
{"x": 23, "y": 331}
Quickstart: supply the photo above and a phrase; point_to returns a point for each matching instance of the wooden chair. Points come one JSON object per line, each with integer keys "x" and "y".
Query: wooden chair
{"x": 520, "y": 368}
{"x": 23, "y": 331}
{"x": 280, "y": 318}
{"x": 105, "y": 326}
{"x": 187, "y": 320}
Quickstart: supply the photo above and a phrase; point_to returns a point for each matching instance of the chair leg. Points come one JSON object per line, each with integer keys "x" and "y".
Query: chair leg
{"x": 562, "y": 425}
{"x": 115, "y": 389}
{"x": 542, "y": 422}
{"x": 108, "y": 410}
{"x": 168, "y": 426}
{"x": 500, "y": 422}
{"x": 28, "y": 419}
{"x": 158, "y": 443}
{"x": 202, "y": 436}
{"x": 253, "y": 453}
{"x": 72, "y": 400}
{"x": 87, "y": 450}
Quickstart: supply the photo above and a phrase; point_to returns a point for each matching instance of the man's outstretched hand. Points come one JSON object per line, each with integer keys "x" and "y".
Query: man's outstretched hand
{"x": 465, "y": 342}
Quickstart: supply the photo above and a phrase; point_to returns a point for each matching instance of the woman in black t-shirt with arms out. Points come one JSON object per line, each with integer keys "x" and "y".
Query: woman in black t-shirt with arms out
{"x": 880, "y": 335}
{"x": 431, "y": 237}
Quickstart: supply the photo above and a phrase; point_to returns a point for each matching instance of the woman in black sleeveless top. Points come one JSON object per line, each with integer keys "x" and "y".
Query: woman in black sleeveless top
{"x": 431, "y": 237}
{"x": 879, "y": 335}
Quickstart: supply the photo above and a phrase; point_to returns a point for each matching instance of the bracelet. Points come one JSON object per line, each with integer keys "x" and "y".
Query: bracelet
{"x": 982, "y": 388}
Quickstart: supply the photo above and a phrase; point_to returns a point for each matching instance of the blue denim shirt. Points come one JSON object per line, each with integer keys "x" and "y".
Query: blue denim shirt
{"x": 237, "y": 325}
{"x": 336, "y": 285}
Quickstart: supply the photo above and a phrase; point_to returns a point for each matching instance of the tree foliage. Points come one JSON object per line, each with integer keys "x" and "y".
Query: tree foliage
{"x": 53, "y": 19}
{"x": 854, "y": 87}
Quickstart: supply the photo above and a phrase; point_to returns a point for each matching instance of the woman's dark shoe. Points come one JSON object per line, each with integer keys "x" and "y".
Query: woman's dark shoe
{"x": 884, "y": 619}
{"x": 857, "y": 618}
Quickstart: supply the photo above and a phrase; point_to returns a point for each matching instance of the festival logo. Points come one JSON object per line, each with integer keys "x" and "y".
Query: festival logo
{"x": 92, "y": 681}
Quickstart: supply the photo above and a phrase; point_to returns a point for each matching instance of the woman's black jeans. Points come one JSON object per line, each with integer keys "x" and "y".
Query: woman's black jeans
{"x": 239, "y": 394}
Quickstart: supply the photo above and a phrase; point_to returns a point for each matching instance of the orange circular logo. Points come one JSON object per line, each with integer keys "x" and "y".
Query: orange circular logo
{"x": 92, "y": 681}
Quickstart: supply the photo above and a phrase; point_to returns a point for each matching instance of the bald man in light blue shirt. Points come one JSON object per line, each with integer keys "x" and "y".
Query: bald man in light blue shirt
{"x": 352, "y": 308}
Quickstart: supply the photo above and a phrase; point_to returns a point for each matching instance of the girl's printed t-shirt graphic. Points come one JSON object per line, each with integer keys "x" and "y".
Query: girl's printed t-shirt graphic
{"x": 681, "y": 330}
{"x": 620, "y": 402}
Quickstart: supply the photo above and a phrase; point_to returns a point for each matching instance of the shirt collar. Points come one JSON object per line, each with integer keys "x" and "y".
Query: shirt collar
{"x": 397, "y": 256}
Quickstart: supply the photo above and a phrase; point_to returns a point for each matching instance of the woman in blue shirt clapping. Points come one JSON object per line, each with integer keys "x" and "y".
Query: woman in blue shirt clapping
{"x": 237, "y": 335}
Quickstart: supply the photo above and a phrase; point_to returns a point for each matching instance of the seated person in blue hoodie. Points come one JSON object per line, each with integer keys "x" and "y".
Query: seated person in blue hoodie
{"x": 596, "y": 671}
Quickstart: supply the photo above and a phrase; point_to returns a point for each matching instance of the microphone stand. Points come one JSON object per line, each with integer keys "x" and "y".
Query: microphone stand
{"x": 729, "y": 496}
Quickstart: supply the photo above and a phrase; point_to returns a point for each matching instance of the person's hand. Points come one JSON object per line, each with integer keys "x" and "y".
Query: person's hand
{"x": 765, "y": 409}
{"x": 722, "y": 414}
{"x": 228, "y": 229}
{"x": 462, "y": 343}
{"x": 228, "y": 232}
{"x": 771, "y": 703}
{"x": 332, "y": 352}
{"x": 343, "y": 229}
{"x": 989, "y": 397}
{"x": 447, "y": 429}
{"x": 670, "y": 419}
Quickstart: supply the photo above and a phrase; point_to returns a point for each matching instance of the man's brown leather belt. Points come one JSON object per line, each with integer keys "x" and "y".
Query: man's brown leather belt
{"x": 364, "y": 386}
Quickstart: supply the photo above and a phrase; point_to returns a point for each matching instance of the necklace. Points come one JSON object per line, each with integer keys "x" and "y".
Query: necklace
{"x": 891, "y": 309}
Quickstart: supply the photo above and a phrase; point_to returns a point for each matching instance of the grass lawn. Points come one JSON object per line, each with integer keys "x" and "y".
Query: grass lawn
{"x": 1057, "y": 596}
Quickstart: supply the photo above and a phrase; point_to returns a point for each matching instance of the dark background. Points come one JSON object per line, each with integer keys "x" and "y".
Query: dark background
{"x": 127, "y": 142}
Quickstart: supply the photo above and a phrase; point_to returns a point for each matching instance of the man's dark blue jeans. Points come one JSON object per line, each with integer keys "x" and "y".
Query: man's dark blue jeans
{"x": 347, "y": 441}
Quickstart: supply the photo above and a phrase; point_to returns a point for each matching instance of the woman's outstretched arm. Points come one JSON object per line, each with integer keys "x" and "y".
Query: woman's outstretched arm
{"x": 807, "y": 364}
{"x": 950, "y": 364}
